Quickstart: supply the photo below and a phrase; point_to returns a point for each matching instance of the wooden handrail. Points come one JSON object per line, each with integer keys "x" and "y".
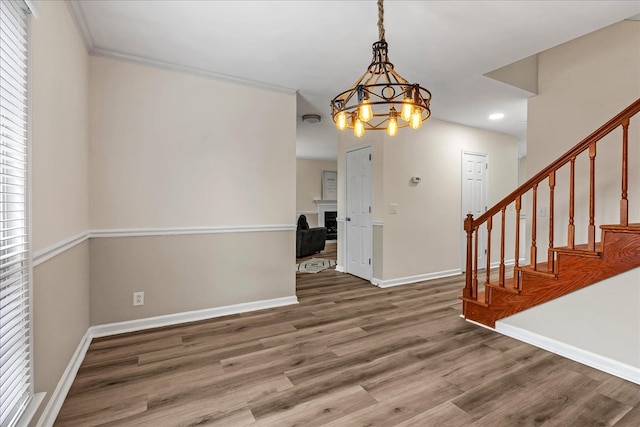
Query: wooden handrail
{"x": 600, "y": 133}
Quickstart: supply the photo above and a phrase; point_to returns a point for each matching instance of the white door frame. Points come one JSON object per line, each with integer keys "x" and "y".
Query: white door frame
{"x": 369, "y": 249}
{"x": 463, "y": 213}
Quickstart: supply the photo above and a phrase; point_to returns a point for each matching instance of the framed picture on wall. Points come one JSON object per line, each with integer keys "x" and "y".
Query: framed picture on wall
{"x": 329, "y": 185}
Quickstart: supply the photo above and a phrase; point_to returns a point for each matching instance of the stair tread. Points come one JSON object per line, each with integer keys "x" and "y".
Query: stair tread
{"x": 580, "y": 250}
{"x": 479, "y": 300}
{"x": 542, "y": 269}
{"x": 635, "y": 227}
{"x": 508, "y": 285}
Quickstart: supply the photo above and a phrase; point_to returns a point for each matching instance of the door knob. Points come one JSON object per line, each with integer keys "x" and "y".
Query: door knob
{"x": 348, "y": 219}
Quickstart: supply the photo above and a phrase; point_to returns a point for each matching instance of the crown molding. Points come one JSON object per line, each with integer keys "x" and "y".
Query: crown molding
{"x": 168, "y": 66}
{"x": 80, "y": 20}
{"x": 81, "y": 24}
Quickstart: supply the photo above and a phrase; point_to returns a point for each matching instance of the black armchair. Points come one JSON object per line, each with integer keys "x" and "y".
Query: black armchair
{"x": 309, "y": 240}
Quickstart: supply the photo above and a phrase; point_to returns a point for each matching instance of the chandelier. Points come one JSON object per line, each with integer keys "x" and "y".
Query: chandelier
{"x": 370, "y": 103}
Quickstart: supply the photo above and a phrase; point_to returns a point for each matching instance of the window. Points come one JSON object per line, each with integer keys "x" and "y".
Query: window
{"x": 16, "y": 389}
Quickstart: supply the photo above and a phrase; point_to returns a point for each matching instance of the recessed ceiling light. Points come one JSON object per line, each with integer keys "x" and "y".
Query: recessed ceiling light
{"x": 496, "y": 116}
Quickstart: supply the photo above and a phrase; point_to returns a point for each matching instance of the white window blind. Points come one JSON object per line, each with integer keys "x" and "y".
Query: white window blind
{"x": 15, "y": 365}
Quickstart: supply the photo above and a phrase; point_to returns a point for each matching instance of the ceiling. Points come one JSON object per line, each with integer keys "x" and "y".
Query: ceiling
{"x": 318, "y": 48}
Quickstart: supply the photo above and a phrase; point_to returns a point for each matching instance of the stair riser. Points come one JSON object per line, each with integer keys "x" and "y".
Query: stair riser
{"x": 621, "y": 252}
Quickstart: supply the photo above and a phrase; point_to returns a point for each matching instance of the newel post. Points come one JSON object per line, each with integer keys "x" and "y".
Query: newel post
{"x": 468, "y": 227}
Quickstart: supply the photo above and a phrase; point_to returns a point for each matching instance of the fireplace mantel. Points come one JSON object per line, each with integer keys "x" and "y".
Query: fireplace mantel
{"x": 333, "y": 203}
{"x": 325, "y": 206}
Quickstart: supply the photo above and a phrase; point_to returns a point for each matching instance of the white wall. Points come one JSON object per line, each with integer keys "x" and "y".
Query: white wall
{"x": 425, "y": 236}
{"x": 584, "y": 83}
{"x": 593, "y": 319}
{"x": 60, "y": 190}
{"x": 170, "y": 150}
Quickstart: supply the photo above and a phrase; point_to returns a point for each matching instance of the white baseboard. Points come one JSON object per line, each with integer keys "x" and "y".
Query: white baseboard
{"x": 477, "y": 323}
{"x": 339, "y": 269}
{"x": 187, "y": 316}
{"x": 602, "y": 363}
{"x": 507, "y": 262}
{"x": 414, "y": 279}
{"x": 50, "y": 412}
{"x": 62, "y": 389}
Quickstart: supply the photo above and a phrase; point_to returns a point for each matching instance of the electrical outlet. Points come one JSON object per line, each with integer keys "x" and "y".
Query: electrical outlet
{"x": 138, "y": 298}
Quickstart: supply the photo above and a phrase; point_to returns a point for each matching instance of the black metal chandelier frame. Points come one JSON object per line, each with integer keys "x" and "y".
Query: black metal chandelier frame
{"x": 381, "y": 86}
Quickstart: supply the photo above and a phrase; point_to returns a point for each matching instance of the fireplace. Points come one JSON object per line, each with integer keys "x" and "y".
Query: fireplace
{"x": 327, "y": 217}
{"x": 331, "y": 222}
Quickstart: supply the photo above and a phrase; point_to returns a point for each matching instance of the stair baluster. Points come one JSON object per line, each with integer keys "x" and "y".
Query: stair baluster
{"x": 552, "y": 185}
{"x": 571, "y": 239}
{"x": 534, "y": 226}
{"x": 502, "y": 235}
{"x": 592, "y": 198}
{"x": 470, "y": 267}
{"x": 516, "y": 276}
{"x": 488, "y": 252}
{"x": 624, "y": 203}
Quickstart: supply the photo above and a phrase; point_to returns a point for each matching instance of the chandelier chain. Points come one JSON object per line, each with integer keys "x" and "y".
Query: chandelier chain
{"x": 380, "y": 20}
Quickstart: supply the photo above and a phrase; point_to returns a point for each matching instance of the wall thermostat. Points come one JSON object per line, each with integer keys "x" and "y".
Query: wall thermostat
{"x": 416, "y": 179}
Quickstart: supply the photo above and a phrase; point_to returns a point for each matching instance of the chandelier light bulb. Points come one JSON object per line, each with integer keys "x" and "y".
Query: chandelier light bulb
{"x": 392, "y": 126}
{"x": 407, "y": 107}
{"x": 341, "y": 120}
{"x": 366, "y": 112}
{"x": 416, "y": 119}
{"x": 358, "y": 128}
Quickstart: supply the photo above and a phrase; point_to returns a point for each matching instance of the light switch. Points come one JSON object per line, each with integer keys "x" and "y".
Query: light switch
{"x": 542, "y": 211}
{"x": 393, "y": 208}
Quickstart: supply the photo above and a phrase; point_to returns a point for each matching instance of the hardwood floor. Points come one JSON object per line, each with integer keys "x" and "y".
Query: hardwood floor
{"x": 349, "y": 354}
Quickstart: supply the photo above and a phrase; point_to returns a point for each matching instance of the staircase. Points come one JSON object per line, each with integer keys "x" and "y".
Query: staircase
{"x": 567, "y": 268}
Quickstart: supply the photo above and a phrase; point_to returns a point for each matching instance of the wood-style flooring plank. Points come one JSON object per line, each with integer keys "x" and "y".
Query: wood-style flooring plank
{"x": 349, "y": 354}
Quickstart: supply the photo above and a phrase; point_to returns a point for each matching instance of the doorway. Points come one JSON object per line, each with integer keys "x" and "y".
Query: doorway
{"x": 358, "y": 242}
{"x": 475, "y": 167}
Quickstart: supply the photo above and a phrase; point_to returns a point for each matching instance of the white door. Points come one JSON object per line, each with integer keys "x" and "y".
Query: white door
{"x": 474, "y": 199}
{"x": 358, "y": 213}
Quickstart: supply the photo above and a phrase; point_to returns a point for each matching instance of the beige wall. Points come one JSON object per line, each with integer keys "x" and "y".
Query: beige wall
{"x": 60, "y": 182}
{"x": 188, "y": 272}
{"x": 425, "y": 236}
{"x": 60, "y": 86}
{"x": 309, "y": 185}
{"x": 584, "y": 83}
{"x": 121, "y": 146}
{"x": 170, "y": 150}
{"x": 61, "y": 304}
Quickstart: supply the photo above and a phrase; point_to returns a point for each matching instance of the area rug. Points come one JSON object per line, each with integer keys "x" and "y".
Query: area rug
{"x": 314, "y": 265}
